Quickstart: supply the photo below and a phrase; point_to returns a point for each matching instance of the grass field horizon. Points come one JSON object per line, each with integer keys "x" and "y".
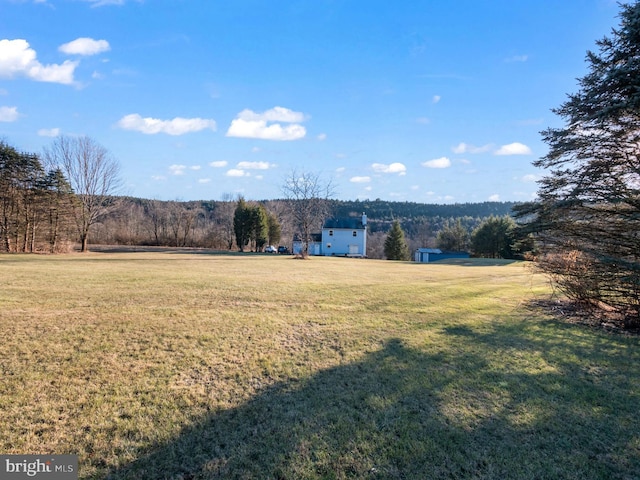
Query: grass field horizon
{"x": 183, "y": 366}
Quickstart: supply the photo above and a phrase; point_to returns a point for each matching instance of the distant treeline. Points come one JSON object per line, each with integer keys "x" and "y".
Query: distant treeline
{"x": 382, "y": 213}
{"x": 382, "y": 210}
{"x": 209, "y": 223}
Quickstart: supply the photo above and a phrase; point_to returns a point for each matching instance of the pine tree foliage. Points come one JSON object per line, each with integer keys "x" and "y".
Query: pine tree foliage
{"x": 453, "y": 236}
{"x": 275, "y": 230}
{"x": 259, "y": 226}
{"x": 251, "y": 225}
{"x": 587, "y": 219}
{"x": 494, "y": 238}
{"x": 242, "y": 224}
{"x": 36, "y": 205}
{"x": 395, "y": 246}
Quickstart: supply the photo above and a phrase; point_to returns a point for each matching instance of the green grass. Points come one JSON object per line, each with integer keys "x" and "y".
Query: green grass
{"x": 185, "y": 366}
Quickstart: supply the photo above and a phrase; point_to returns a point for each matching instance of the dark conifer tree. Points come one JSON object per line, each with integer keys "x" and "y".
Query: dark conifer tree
{"x": 588, "y": 215}
{"x": 395, "y": 246}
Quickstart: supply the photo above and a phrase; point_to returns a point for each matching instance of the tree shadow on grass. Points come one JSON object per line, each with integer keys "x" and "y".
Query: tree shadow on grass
{"x": 401, "y": 413}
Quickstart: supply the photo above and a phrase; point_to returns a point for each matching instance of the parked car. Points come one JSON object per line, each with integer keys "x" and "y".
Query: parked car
{"x": 270, "y": 249}
{"x": 283, "y": 250}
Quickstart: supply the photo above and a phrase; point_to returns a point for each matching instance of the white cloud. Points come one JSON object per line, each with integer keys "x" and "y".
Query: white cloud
{"x": 249, "y": 124}
{"x": 530, "y": 178}
{"x": 85, "y": 46}
{"x": 195, "y": 167}
{"x": 423, "y": 120}
{"x": 177, "y": 126}
{"x": 8, "y": 114}
{"x": 322, "y": 137}
{"x": 177, "y": 169}
{"x": 276, "y": 114}
{"x": 442, "y": 162}
{"x": 259, "y": 129}
{"x": 204, "y": 180}
{"x": 18, "y": 59}
{"x": 360, "y": 179}
{"x": 398, "y": 168}
{"x": 235, "y": 172}
{"x": 219, "y": 164}
{"x": 515, "y": 148}
{"x": 517, "y": 58}
{"x": 254, "y": 165}
{"x": 436, "y": 98}
{"x": 467, "y": 148}
{"x": 49, "y": 132}
{"x": 494, "y": 198}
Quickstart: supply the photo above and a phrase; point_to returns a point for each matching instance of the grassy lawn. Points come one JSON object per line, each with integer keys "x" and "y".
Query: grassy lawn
{"x": 185, "y": 366}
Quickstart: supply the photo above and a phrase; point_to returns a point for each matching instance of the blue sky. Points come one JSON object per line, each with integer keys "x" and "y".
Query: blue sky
{"x": 429, "y": 101}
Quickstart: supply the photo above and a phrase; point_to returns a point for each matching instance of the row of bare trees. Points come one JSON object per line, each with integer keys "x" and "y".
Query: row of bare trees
{"x": 168, "y": 223}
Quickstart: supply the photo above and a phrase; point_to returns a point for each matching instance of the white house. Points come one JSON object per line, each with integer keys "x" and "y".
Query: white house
{"x": 346, "y": 237}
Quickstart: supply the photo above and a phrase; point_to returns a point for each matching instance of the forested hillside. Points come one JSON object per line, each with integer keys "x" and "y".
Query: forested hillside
{"x": 383, "y": 211}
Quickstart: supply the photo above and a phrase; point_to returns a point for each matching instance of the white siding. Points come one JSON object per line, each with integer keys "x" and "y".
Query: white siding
{"x": 342, "y": 241}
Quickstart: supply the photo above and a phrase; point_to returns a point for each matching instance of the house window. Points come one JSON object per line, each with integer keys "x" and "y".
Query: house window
{"x": 331, "y": 233}
{"x": 355, "y": 233}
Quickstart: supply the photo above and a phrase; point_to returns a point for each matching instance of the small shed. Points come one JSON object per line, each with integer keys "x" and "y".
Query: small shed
{"x": 427, "y": 255}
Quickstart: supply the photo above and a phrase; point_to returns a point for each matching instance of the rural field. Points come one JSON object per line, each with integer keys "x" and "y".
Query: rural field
{"x": 153, "y": 365}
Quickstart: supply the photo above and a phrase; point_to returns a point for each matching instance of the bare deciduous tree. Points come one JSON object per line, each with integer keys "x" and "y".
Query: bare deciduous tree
{"x": 93, "y": 174}
{"x": 307, "y": 196}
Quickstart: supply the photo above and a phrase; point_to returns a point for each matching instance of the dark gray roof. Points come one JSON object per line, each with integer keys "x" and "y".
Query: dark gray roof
{"x": 351, "y": 223}
{"x": 313, "y": 237}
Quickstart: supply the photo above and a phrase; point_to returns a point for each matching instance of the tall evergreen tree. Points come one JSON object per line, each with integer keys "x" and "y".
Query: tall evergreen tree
{"x": 57, "y": 200}
{"x": 588, "y": 215}
{"x": 259, "y": 226}
{"x": 242, "y": 224}
{"x": 395, "y": 246}
{"x": 275, "y": 230}
{"x": 21, "y": 176}
{"x": 494, "y": 238}
{"x": 453, "y": 236}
